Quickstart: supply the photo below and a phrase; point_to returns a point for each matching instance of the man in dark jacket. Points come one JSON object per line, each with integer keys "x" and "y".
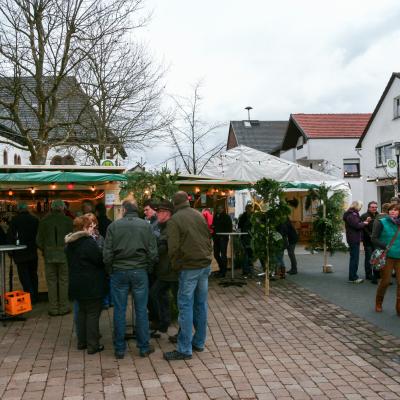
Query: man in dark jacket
{"x": 102, "y": 219}
{"x": 166, "y": 278}
{"x": 130, "y": 251}
{"x": 222, "y": 223}
{"x": 244, "y": 226}
{"x": 189, "y": 249}
{"x": 372, "y": 213}
{"x": 23, "y": 231}
{"x": 150, "y": 215}
{"x": 354, "y": 229}
{"x": 50, "y": 239}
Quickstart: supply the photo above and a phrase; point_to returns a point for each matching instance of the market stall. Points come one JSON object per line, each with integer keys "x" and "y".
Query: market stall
{"x": 38, "y": 186}
{"x": 249, "y": 165}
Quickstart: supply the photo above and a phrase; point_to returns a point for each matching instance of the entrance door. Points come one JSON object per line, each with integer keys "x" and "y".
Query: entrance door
{"x": 387, "y": 192}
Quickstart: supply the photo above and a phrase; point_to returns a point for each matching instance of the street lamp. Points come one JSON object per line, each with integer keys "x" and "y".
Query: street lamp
{"x": 396, "y": 146}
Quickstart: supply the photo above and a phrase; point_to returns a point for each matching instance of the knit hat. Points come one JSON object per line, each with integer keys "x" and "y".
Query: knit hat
{"x": 22, "y": 206}
{"x": 165, "y": 205}
{"x": 57, "y": 205}
{"x": 180, "y": 198}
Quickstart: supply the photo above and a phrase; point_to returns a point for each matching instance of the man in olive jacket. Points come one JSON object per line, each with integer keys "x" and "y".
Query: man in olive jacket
{"x": 50, "y": 239}
{"x": 189, "y": 248}
{"x": 130, "y": 251}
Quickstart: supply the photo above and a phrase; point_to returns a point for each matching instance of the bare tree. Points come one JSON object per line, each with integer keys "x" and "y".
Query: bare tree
{"x": 124, "y": 88}
{"x": 41, "y": 43}
{"x": 191, "y": 137}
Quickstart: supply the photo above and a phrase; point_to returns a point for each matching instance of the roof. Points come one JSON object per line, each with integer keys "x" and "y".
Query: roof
{"x": 321, "y": 126}
{"x": 378, "y": 106}
{"x": 324, "y": 126}
{"x": 266, "y": 136}
{"x": 74, "y": 117}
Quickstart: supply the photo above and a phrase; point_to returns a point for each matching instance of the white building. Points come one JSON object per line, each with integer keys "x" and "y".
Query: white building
{"x": 74, "y": 125}
{"x": 375, "y": 145}
{"x": 326, "y": 142}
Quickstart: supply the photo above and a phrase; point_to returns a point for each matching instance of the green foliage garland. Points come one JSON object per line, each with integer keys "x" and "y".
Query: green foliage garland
{"x": 156, "y": 185}
{"x": 331, "y": 226}
{"x": 270, "y": 211}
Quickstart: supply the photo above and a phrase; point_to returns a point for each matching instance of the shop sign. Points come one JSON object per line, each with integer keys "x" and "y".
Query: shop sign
{"x": 391, "y": 166}
{"x": 109, "y": 199}
{"x": 107, "y": 163}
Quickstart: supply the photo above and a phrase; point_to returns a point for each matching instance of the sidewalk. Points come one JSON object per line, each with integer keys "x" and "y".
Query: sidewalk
{"x": 334, "y": 287}
{"x": 295, "y": 345}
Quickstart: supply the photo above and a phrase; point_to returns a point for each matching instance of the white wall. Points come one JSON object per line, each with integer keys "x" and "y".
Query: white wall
{"x": 382, "y": 130}
{"x": 11, "y": 151}
{"x": 333, "y": 151}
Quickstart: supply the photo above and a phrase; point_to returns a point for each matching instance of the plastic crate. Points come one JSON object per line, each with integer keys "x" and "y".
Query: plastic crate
{"x": 17, "y": 302}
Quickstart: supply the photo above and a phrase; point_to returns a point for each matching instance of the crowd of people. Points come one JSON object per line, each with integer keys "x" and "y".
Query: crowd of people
{"x": 376, "y": 231}
{"x": 97, "y": 263}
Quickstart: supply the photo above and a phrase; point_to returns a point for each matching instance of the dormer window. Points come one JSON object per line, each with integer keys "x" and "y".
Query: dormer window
{"x": 396, "y": 107}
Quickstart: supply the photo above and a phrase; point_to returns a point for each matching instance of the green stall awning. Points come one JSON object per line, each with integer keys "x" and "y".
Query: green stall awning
{"x": 60, "y": 177}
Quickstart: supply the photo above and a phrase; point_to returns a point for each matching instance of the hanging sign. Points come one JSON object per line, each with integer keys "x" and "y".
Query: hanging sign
{"x": 109, "y": 199}
{"x": 391, "y": 166}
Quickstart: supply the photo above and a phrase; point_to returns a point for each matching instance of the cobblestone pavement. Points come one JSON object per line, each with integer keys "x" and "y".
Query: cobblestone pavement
{"x": 294, "y": 345}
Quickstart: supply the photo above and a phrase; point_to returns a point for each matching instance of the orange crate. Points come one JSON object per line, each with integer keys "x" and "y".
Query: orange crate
{"x": 17, "y": 302}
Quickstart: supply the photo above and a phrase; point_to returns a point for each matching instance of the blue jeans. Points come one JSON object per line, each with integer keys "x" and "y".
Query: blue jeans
{"x": 193, "y": 307}
{"x": 354, "y": 258}
{"x": 136, "y": 281}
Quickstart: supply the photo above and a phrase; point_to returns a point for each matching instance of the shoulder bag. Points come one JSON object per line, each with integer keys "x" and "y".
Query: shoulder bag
{"x": 378, "y": 257}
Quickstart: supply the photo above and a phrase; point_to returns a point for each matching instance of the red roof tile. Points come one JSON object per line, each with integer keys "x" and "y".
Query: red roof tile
{"x": 319, "y": 126}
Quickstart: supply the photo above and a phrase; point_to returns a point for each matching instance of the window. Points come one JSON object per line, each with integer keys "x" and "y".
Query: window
{"x": 383, "y": 153}
{"x": 5, "y": 157}
{"x": 300, "y": 143}
{"x": 15, "y": 159}
{"x": 351, "y": 167}
{"x": 19, "y": 160}
{"x": 396, "y": 107}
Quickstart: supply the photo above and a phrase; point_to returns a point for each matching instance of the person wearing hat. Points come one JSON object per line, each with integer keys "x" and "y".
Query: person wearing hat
{"x": 166, "y": 278}
{"x": 50, "y": 239}
{"x": 189, "y": 249}
{"x": 23, "y": 231}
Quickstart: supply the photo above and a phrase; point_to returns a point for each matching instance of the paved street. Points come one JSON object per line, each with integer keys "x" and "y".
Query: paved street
{"x": 294, "y": 345}
{"x": 334, "y": 287}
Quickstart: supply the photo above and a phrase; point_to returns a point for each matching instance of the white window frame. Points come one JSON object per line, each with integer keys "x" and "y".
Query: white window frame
{"x": 351, "y": 161}
{"x": 380, "y": 158}
{"x": 396, "y": 107}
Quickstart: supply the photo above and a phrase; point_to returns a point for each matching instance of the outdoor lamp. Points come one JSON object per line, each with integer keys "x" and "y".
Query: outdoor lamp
{"x": 396, "y": 147}
{"x": 10, "y": 192}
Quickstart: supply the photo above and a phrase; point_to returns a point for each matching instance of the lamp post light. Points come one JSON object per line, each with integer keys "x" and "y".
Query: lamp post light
{"x": 396, "y": 146}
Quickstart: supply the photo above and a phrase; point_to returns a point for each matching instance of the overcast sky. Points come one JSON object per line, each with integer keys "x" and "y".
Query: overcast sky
{"x": 279, "y": 57}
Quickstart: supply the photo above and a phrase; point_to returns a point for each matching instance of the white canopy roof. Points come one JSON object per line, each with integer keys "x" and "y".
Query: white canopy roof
{"x": 247, "y": 164}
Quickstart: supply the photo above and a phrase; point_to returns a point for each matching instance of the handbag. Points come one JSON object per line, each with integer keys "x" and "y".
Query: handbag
{"x": 378, "y": 256}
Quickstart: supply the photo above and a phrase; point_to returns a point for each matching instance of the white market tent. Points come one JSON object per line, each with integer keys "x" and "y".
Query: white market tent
{"x": 247, "y": 164}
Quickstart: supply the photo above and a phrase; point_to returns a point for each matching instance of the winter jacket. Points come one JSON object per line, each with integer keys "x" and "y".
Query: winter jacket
{"x": 130, "y": 244}
{"x": 153, "y": 221}
{"x": 51, "y": 234}
{"x": 354, "y": 226}
{"x": 163, "y": 269}
{"x": 87, "y": 276}
{"x": 288, "y": 233}
{"x": 367, "y": 234}
{"x": 222, "y": 223}
{"x": 104, "y": 222}
{"x": 244, "y": 224}
{"x": 24, "y": 228}
{"x": 189, "y": 242}
{"x": 209, "y": 219}
{"x": 382, "y": 233}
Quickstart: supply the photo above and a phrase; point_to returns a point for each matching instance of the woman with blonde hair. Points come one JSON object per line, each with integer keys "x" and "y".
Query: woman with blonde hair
{"x": 354, "y": 234}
